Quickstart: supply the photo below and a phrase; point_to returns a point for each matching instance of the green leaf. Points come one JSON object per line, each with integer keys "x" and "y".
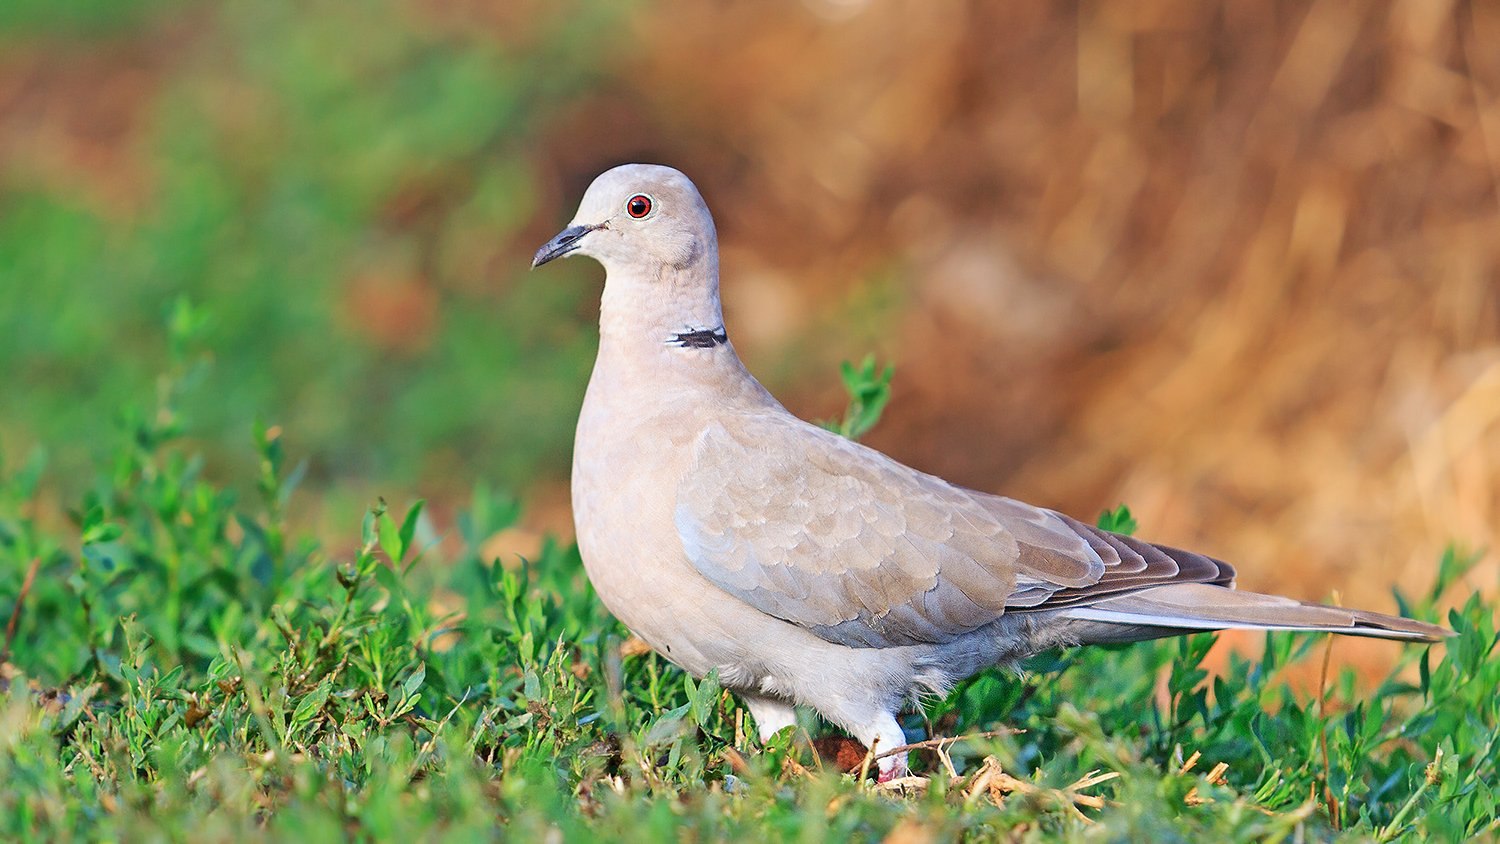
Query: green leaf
{"x": 668, "y": 726}
{"x": 413, "y": 684}
{"x": 704, "y": 697}
{"x": 869, "y": 389}
{"x": 367, "y": 535}
{"x": 409, "y": 526}
{"x": 102, "y": 532}
{"x": 390, "y": 538}
{"x": 1118, "y": 520}
{"x": 311, "y": 704}
{"x": 388, "y": 578}
{"x": 290, "y": 483}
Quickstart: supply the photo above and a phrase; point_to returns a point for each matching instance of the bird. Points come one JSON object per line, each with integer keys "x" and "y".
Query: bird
{"x": 810, "y": 570}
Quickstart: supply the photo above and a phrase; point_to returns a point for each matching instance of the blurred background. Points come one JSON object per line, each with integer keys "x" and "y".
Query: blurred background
{"x": 1236, "y": 264}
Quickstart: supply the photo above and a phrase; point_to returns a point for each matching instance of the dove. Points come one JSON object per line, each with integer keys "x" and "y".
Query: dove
{"x": 810, "y": 570}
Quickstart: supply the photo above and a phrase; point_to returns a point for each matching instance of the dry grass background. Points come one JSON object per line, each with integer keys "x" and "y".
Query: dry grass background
{"x": 1233, "y": 263}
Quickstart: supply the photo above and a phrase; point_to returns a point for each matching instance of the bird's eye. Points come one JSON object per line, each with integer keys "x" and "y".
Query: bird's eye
{"x": 638, "y": 206}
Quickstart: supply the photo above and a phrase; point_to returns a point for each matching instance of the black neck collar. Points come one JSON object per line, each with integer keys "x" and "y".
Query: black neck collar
{"x": 700, "y": 338}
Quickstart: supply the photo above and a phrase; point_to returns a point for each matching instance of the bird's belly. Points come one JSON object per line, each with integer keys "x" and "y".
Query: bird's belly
{"x": 671, "y": 607}
{"x": 633, "y": 557}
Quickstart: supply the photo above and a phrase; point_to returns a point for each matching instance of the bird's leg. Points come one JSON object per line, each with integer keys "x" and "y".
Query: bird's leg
{"x": 883, "y": 733}
{"x": 771, "y": 714}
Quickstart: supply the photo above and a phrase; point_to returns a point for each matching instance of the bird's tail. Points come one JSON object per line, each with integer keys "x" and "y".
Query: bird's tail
{"x": 1184, "y": 607}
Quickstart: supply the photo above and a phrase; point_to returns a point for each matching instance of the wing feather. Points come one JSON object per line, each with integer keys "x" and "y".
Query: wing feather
{"x": 831, "y": 535}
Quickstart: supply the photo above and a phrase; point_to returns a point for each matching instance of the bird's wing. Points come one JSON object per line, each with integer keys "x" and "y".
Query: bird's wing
{"x": 836, "y": 537}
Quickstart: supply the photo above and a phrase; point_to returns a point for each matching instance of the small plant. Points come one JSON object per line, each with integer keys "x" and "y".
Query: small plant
{"x": 869, "y": 389}
{"x": 1118, "y": 520}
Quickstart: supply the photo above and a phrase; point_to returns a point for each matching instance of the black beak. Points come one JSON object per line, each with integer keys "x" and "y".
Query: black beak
{"x": 565, "y": 242}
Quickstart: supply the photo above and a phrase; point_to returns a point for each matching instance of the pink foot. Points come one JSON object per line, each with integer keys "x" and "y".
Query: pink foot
{"x": 892, "y": 768}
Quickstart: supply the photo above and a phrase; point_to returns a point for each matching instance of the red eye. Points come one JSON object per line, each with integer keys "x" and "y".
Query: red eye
{"x": 638, "y": 206}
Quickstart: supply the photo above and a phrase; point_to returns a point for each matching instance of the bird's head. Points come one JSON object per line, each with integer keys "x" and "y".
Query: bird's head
{"x": 640, "y": 218}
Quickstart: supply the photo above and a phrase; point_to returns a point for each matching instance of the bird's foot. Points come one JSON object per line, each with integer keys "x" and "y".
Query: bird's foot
{"x": 891, "y": 768}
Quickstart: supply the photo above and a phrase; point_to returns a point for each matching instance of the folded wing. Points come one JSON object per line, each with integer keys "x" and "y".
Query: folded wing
{"x": 831, "y": 535}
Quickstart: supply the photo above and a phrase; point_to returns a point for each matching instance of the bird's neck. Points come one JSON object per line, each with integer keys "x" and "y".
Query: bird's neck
{"x": 662, "y": 343}
{"x": 661, "y": 309}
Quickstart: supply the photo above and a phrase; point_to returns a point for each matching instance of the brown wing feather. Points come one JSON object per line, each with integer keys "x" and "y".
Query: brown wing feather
{"x": 838, "y": 538}
{"x": 1142, "y": 566}
{"x": 1182, "y": 607}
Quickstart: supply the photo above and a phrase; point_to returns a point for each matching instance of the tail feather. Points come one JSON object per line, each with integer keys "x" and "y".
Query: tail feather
{"x": 1201, "y": 606}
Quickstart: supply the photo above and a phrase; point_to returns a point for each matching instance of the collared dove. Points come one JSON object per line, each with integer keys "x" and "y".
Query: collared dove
{"x": 808, "y": 569}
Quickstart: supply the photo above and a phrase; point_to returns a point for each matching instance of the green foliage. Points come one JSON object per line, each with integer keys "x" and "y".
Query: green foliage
{"x": 183, "y": 666}
{"x": 1118, "y": 520}
{"x": 869, "y": 389}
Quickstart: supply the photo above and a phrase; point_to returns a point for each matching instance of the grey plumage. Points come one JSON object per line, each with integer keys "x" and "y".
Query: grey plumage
{"x": 809, "y": 569}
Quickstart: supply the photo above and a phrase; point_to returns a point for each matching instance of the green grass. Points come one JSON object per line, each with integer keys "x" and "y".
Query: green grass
{"x": 183, "y": 666}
